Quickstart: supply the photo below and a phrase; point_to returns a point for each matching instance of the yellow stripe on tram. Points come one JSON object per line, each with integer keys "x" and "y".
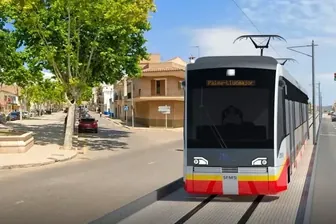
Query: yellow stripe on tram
{"x": 219, "y": 177}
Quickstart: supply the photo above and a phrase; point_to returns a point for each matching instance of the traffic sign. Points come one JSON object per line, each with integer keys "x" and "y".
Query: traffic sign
{"x": 164, "y": 109}
{"x": 125, "y": 108}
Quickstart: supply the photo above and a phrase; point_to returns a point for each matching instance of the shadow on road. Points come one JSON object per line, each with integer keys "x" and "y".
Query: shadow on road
{"x": 105, "y": 139}
{"x": 43, "y": 134}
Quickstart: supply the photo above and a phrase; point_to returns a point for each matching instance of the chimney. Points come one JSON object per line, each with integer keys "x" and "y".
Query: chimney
{"x": 192, "y": 59}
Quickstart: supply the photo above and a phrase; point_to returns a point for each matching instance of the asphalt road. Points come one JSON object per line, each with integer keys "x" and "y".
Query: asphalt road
{"x": 324, "y": 186}
{"x": 80, "y": 192}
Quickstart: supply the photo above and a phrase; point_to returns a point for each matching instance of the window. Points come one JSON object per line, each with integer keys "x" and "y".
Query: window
{"x": 297, "y": 114}
{"x": 281, "y": 117}
{"x": 239, "y": 117}
{"x": 158, "y": 86}
{"x": 287, "y": 117}
{"x": 139, "y": 92}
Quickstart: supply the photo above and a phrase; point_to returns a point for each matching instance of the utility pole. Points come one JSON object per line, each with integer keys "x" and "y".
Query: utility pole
{"x": 198, "y": 50}
{"x": 132, "y": 103}
{"x": 312, "y": 56}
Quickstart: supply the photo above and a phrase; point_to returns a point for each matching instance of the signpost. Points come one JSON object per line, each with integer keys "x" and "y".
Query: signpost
{"x": 126, "y": 112}
{"x": 165, "y": 110}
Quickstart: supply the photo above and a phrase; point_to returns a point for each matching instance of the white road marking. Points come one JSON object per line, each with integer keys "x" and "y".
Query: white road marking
{"x": 19, "y": 202}
{"x": 150, "y": 163}
{"x": 329, "y": 134}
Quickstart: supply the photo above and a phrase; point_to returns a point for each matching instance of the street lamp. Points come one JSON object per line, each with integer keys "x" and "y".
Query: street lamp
{"x": 312, "y": 56}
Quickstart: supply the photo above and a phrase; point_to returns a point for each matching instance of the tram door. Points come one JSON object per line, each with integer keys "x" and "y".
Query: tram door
{"x": 291, "y": 117}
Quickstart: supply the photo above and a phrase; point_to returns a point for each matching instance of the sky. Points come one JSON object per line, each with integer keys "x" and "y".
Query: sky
{"x": 178, "y": 26}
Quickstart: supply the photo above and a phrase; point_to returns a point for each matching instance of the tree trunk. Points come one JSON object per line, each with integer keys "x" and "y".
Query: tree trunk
{"x": 69, "y": 127}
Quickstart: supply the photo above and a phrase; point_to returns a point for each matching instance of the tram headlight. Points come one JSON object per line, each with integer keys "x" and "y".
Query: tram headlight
{"x": 230, "y": 72}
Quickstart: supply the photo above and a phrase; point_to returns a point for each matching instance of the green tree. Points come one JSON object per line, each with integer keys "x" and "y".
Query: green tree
{"x": 82, "y": 42}
{"x": 86, "y": 94}
{"x": 47, "y": 91}
{"x": 12, "y": 62}
{"x": 37, "y": 95}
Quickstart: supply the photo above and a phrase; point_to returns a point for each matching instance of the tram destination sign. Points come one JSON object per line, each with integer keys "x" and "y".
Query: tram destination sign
{"x": 230, "y": 82}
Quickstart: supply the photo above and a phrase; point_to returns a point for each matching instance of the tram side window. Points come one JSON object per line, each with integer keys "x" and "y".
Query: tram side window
{"x": 301, "y": 114}
{"x": 297, "y": 115}
{"x": 293, "y": 115}
{"x": 281, "y": 117}
{"x": 287, "y": 103}
{"x": 305, "y": 112}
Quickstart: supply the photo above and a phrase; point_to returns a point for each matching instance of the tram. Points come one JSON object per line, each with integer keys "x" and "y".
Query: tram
{"x": 246, "y": 124}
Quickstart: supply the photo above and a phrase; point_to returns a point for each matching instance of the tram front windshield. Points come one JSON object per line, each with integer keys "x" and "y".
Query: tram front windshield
{"x": 230, "y": 111}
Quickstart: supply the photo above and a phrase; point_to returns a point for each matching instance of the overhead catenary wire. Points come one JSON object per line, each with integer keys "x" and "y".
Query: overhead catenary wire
{"x": 253, "y": 24}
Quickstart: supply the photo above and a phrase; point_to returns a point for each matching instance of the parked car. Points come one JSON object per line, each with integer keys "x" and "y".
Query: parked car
{"x": 25, "y": 114}
{"x": 333, "y": 117}
{"x": 13, "y": 116}
{"x": 87, "y": 124}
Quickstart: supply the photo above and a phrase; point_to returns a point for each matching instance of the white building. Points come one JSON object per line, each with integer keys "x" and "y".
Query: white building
{"x": 106, "y": 101}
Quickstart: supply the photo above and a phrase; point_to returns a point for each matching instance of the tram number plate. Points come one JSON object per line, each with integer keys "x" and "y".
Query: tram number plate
{"x": 230, "y": 177}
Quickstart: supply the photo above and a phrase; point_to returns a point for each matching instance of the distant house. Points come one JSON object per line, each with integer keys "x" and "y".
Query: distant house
{"x": 9, "y": 99}
{"x": 103, "y": 98}
{"x": 158, "y": 86}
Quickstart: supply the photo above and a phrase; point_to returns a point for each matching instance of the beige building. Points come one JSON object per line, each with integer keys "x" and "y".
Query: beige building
{"x": 159, "y": 85}
{"x": 9, "y": 98}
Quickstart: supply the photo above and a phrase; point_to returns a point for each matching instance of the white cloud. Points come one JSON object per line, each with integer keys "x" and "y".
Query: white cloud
{"x": 219, "y": 41}
{"x": 309, "y": 15}
{"x": 298, "y": 21}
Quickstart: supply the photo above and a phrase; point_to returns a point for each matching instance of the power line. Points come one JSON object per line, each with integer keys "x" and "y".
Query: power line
{"x": 253, "y": 24}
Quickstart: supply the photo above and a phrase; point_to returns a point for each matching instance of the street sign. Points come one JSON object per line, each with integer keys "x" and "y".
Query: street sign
{"x": 164, "y": 109}
{"x": 125, "y": 108}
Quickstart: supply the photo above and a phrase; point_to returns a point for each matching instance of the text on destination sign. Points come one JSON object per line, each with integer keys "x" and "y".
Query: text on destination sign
{"x": 231, "y": 82}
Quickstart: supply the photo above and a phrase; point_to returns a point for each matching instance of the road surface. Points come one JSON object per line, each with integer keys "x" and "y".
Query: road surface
{"x": 324, "y": 190}
{"x": 83, "y": 191}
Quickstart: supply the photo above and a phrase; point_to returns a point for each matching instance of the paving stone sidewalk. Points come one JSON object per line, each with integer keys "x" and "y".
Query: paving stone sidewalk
{"x": 48, "y": 137}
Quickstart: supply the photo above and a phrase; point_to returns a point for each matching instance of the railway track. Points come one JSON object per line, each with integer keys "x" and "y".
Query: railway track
{"x": 172, "y": 205}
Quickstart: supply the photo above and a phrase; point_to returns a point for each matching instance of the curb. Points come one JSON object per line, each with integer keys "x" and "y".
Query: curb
{"x": 135, "y": 206}
{"x": 117, "y": 123}
{"x": 28, "y": 165}
{"x": 139, "y": 128}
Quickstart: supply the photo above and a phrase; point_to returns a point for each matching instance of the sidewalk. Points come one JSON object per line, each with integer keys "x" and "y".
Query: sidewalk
{"x": 36, "y": 156}
{"x": 48, "y": 137}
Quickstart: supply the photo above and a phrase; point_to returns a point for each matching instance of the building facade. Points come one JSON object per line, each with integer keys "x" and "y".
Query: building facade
{"x": 103, "y": 98}
{"x": 158, "y": 86}
{"x": 9, "y": 100}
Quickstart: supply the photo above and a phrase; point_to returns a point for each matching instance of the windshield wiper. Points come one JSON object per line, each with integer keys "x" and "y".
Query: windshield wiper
{"x": 212, "y": 126}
